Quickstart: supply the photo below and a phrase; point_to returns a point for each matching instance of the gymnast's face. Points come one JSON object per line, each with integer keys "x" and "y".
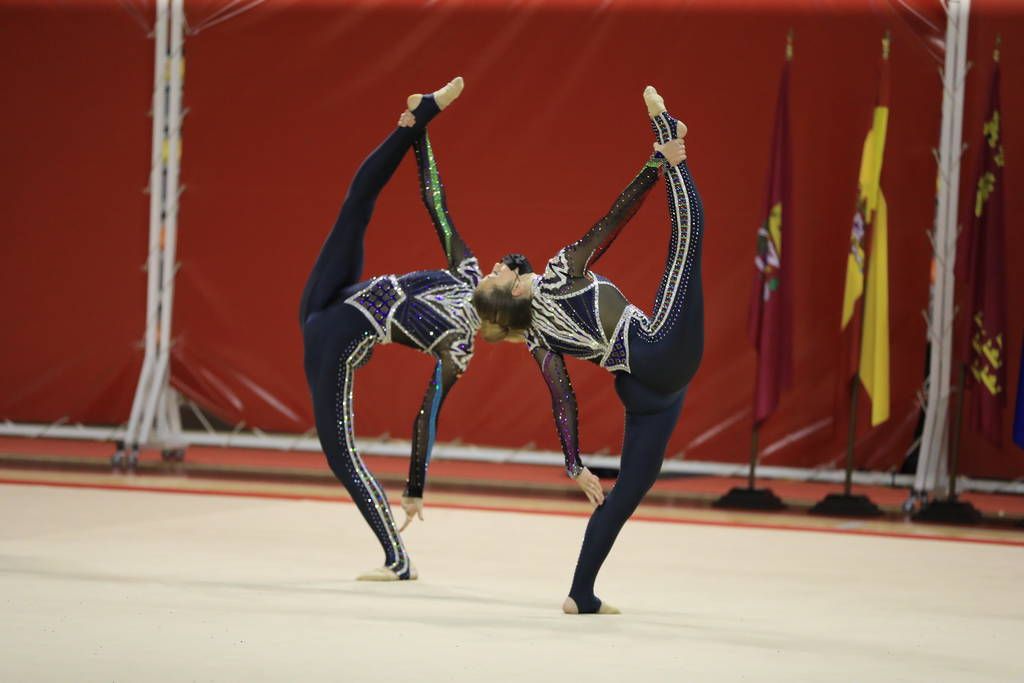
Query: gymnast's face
{"x": 503, "y": 277}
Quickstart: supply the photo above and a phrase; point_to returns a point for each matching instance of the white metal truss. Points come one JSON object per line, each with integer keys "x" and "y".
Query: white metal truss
{"x": 154, "y": 403}
{"x": 932, "y": 477}
{"x": 156, "y": 183}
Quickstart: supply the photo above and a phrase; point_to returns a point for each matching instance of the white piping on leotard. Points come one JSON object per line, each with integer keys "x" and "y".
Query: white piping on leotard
{"x": 661, "y": 313}
{"x": 346, "y": 424}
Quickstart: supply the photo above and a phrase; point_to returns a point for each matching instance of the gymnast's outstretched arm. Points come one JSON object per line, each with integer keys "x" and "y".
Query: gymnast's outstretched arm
{"x": 432, "y": 190}
{"x": 589, "y": 248}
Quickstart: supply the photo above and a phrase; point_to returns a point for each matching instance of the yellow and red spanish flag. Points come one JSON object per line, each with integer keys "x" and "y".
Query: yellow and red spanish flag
{"x": 870, "y": 347}
{"x": 984, "y": 349}
{"x": 770, "y": 320}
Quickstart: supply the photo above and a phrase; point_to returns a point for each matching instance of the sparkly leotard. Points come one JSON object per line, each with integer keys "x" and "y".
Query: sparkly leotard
{"x": 653, "y": 358}
{"x": 343, "y": 319}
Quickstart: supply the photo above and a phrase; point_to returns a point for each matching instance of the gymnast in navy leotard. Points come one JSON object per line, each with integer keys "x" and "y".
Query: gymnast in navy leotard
{"x": 343, "y": 318}
{"x": 579, "y": 313}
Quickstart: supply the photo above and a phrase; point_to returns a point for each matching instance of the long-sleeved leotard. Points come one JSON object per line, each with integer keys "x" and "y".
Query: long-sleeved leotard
{"x": 579, "y": 313}
{"x": 429, "y": 311}
{"x": 582, "y": 310}
{"x": 343, "y": 319}
{"x": 575, "y": 310}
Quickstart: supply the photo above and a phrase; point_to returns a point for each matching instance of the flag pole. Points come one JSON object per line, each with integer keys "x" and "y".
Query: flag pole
{"x": 846, "y": 504}
{"x": 954, "y": 455}
{"x": 950, "y": 510}
{"x": 751, "y": 497}
{"x": 851, "y": 432}
{"x": 753, "y": 457}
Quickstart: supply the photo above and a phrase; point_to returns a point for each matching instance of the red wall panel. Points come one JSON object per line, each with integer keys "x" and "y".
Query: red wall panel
{"x": 284, "y": 101}
{"x": 77, "y": 83}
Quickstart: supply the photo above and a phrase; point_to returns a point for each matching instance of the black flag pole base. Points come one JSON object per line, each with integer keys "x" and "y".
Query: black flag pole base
{"x": 742, "y": 498}
{"x": 842, "y": 505}
{"x": 949, "y": 511}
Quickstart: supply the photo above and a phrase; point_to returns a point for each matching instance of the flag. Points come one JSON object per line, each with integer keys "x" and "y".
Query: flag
{"x": 770, "y": 317}
{"x": 984, "y": 348}
{"x": 870, "y": 347}
{"x": 1018, "y": 423}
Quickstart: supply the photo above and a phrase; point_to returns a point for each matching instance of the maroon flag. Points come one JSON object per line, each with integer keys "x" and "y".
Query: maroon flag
{"x": 984, "y": 348}
{"x": 770, "y": 318}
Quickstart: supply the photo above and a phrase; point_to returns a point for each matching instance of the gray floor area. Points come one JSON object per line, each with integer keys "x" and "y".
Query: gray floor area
{"x": 133, "y": 586}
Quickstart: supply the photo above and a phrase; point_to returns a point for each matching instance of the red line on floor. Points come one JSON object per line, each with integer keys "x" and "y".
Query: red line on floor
{"x": 521, "y": 510}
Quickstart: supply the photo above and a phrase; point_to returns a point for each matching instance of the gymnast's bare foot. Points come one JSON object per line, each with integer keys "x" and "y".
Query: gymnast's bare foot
{"x": 386, "y": 574}
{"x": 569, "y": 607}
{"x": 655, "y": 102}
{"x": 443, "y": 97}
{"x": 656, "y": 106}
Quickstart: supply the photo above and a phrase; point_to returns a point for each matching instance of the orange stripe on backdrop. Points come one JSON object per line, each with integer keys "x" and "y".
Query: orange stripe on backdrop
{"x": 243, "y": 466}
{"x": 524, "y": 507}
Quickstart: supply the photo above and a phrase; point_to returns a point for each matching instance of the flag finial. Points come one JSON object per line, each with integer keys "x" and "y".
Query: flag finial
{"x": 789, "y": 46}
{"x": 886, "y": 44}
{"x": 999, "y": 42}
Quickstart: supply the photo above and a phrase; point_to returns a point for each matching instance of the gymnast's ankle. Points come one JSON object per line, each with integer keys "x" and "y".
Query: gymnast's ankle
{"x": 591, "y": 605}
{"x": 439, "y": 98}
{"x": 656, "y": 109}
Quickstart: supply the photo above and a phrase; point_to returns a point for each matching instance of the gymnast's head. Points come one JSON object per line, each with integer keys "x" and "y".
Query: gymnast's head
{"x": 503, "y": 300}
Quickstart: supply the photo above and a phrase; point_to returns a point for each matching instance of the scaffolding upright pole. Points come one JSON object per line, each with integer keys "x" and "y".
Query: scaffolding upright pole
{"x": 158, "y": 165}
{"x": 934, "y": 439}
{"x": 176, "y": 63}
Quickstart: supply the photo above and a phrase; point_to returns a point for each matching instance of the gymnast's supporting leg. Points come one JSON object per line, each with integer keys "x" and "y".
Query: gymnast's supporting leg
{"x": 340, "y": 339}
{"x": 650, "y": 419}
{"x": 332, "y": 408}
{"x": 664, "y": 357}
{"x": 340, "y": 263}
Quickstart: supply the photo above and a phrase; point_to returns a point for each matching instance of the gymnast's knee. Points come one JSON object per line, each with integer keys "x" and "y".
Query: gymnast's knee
{"x": 625, "y": 498}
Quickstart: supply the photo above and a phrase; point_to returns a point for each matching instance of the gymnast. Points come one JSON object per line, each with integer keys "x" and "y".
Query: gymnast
{"x": 576, "y": 312}
{"x": 344, "y": 317}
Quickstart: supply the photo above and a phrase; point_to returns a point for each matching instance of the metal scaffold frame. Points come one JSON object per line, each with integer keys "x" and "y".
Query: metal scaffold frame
{"x": 932, "y": 477}
{"x": 155, "y": 405}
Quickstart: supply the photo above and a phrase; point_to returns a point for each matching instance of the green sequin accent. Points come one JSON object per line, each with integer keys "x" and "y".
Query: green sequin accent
{"x": 436, "y": 197}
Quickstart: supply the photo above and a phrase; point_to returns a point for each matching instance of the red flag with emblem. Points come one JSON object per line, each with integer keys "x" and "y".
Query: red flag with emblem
{"x": 770, "y": 317}
{"x": 984, "y": 348}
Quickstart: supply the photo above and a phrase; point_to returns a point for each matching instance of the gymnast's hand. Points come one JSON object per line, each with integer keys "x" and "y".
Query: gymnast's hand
{"x": 406, "y": 120}
{"x": 413, "y": 508}
{"x": 591, "y": 486}
{"x": 674, "y": 151}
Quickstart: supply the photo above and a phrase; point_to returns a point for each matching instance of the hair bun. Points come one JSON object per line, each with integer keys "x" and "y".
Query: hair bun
{"x": 518, "y": 263}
